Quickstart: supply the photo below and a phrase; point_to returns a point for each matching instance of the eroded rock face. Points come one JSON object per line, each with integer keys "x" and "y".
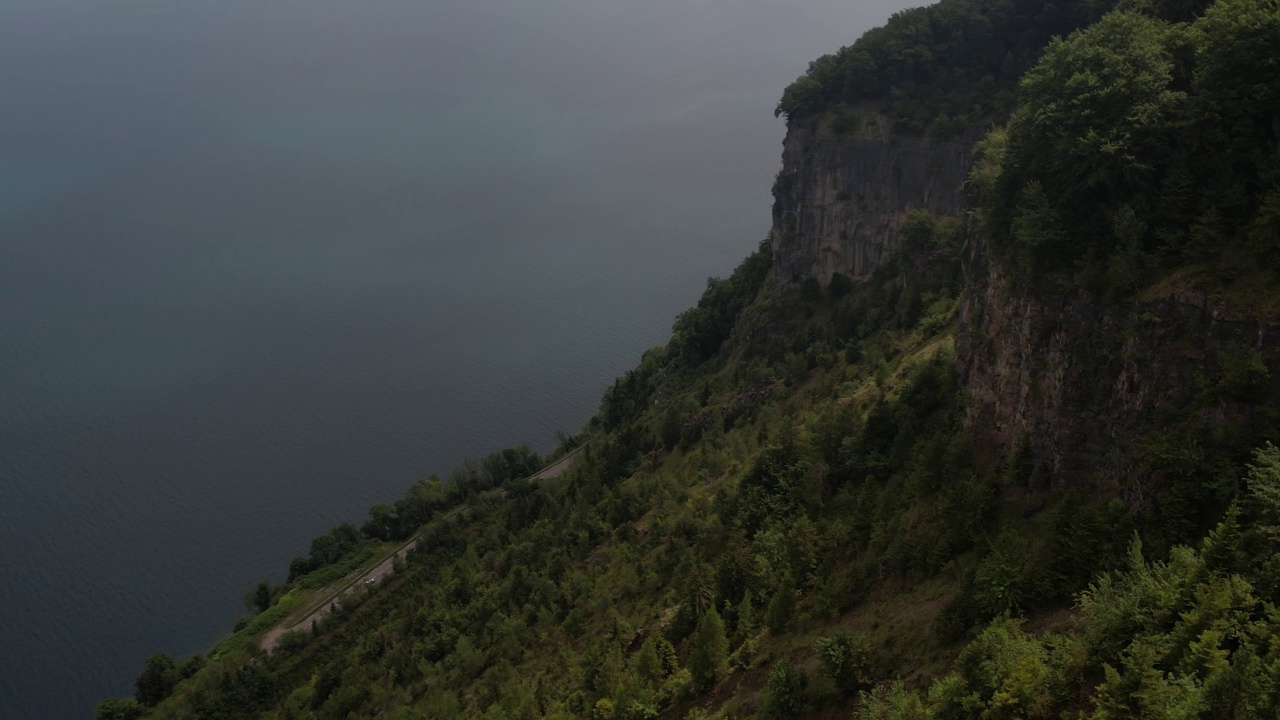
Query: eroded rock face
{"x": 840, "y": 198}
{"x": 1083, "y": 382}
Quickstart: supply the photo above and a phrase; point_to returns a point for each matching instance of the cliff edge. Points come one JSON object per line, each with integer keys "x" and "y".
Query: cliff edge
{"x": 840, "y": 196}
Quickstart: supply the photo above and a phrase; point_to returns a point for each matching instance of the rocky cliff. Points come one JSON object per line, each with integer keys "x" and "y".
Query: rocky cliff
{"x": 840, "y": 197}
{"x": 1087, "y": 385}
{"x": 1082, "y": 382}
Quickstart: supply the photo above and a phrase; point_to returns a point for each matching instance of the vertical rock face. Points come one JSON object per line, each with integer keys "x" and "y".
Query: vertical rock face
{"x": 840, "y": 198}
{"x": 1081, "y": 382}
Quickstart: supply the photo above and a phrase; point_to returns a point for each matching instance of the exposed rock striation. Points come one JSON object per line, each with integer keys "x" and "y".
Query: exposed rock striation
{"x": 1083, "y": 382}
{"x": 840, "y": 197}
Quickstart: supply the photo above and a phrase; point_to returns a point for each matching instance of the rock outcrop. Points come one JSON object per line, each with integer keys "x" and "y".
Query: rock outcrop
{"x": 1084, "y": 382}
{"x": 840, "y": 197}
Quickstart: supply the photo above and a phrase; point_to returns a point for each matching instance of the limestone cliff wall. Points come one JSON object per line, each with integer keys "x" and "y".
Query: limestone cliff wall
{"x": 840, "y": 197}
{"x": 1083, "y": 381}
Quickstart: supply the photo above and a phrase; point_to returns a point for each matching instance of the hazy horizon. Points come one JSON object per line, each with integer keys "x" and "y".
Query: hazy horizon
{"x": 264, "y": 264}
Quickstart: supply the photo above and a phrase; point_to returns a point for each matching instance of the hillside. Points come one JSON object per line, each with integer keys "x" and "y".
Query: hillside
{"x": 982, "y": 430}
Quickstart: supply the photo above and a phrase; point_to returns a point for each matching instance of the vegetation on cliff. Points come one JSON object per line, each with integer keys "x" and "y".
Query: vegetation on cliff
{"x": 1142, "y": 146}
{"x": 946, "y": 67}
{"x": 784, "y": 512}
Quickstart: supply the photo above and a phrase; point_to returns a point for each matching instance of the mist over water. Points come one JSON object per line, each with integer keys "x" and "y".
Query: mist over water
{"x": 263, "y": 264}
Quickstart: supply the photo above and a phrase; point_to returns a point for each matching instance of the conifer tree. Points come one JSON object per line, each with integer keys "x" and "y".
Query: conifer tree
{"x": 709, "y": 655}
{"x": 781, "y": 609}
{"x": 746, "y": 617}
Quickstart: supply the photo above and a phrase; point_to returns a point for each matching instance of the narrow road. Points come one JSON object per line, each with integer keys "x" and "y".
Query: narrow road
{"x": 387, "y": 565}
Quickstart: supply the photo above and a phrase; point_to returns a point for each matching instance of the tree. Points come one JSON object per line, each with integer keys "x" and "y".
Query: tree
{"x": 156, "y": 681}
{"x": 603, "y": 710}
{"x": 415, "y": 508}
{"x": 1263, "y": 484}
{"x": 1222, "y": 547}
{"x": 709, "y": 655}
{"x": 892, "y": 702}
{"x": 259, "y": 598}
{"x": 298, "y": 567}
{"x": 997, "y": 583}
{"x": 784, "y": 692}
{"x": 919, "y": 232}
{"x": 839, "y": 286}
{"x": 1038, "y": 234}
{"x": 332, "y": 546}
{"x": 843, "y": 659}
{"x": 746, "y": 617}
{"x": 119, "y": 709}
{"x": 647, "y": 665}
{"x": 191, "y": 666}
{"x": 1237, "y": 64}
{"x": 1142, "y": 690}
{"x": 1004, "y": 672}
{"x": 810, "y": 290}
{"x": 782, "y": 608}
{"x": 1098, "y": 105}
{"x": 606, "y": 680}
{"x": 801, "y": 97}
{"x": 382, "y": 524}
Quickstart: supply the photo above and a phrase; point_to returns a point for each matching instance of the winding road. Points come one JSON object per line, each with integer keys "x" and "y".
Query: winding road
{"x": 387, "y": 565}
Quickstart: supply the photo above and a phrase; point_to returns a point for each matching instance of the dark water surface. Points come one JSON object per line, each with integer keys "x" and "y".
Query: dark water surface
{"x": 264, "y": 263}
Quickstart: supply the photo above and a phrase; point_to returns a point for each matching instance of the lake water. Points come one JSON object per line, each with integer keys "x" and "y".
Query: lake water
{"x": 264, "y": 263}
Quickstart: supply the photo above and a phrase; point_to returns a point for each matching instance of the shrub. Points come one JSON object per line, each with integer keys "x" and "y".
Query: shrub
{"x": 844, "y": 660}
{"x": 119, "y": 709}
{"x": 810, "y": 290}
{"x": 891, "y": 702}
{"x": 784, "y": 693}
{"x": 839, "y": 286}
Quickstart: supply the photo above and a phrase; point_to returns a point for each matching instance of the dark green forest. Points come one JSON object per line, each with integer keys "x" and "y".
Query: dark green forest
{"x": 784, "y": 511}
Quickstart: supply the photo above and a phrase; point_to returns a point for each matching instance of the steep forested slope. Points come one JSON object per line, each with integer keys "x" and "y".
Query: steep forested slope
{"x": 1006, "y": 473}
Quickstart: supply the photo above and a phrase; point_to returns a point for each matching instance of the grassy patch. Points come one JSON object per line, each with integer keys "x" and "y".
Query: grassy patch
{"x": 246, "y": 638}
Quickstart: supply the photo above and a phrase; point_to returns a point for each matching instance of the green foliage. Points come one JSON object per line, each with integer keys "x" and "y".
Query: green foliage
{"x": 513, "y": 587}
{"x": 119, "y": 709}
{"x": 802, "y": 97}
{"x": 784, "y": 692}
{"x": 816, "y": 453}
{"x": 157, "y": 681}
{"x": 709, "y": 651}
{"x": 259, "y": 598}
{"x": 1038, "y": 235}
{"x": 327, "y": 549}
{"x": 781, "y": 610}
{"x": 745, "y": 617}
{"x": 191, "y": 666}
{"x": 844, "y": 660}
{"x": 839, "y": 286}
{"x": 1137, "y": 145}
{"x": 997, "y": 583}
{"x": 653, "y": 663}
{"x": 1004, "y": 673}
{"x": 920, "y": 232}
{"x": 946, "y": 67}
{"x": 1263, "y": 486}
{"x": 891, "y": 702}
{"x": 810, "y": 290}
{"x": 1244, "y": 374}
{"x": 700, "y": 331}
{"x": 1098, "y": 106}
